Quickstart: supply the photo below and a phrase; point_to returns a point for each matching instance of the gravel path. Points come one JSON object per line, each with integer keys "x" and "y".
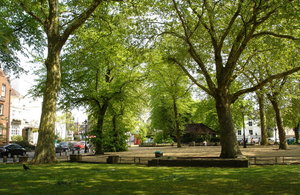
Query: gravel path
{"x": 208, "y": 151}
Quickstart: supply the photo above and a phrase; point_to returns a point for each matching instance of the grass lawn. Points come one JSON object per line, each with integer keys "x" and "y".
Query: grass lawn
{"x": 78, "y": 178}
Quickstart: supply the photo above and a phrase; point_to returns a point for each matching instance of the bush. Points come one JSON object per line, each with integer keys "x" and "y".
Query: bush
{"x": 17, "y": 138}
{"x": 215, "y": 139}
{"x": 160, "y": 138}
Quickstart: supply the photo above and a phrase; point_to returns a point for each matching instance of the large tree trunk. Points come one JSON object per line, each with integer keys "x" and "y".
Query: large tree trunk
{"x": 296, "y": 130}
{"x": 262, "y": 115}
{"x": 281, "y": 132}
{"x": 230, "y": 147}
{"x": 45, "y": 150}
{"x": 99, "y": 129}
{"x": 177, "y": 126}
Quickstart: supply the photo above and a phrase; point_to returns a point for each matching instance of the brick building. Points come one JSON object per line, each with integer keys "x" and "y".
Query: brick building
{"x": 5, "y": 89}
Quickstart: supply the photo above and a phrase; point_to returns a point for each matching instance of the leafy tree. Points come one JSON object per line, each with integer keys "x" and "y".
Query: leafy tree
{"x": 170, "y": 99}
{"x": 211, "y": 39}
{"x": 58, "y": 21}
{"x": 101, "y": 72}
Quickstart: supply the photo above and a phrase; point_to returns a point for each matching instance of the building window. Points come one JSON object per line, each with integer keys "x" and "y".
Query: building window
{"x": 250, "y": 123}
{"x": 251, "y": 132}
{"x": 3, "y": 91}
{"x": 239, "y": 132}
{"x": 1, "y": 109}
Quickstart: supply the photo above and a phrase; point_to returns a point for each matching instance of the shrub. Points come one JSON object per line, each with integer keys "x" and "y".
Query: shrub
{"x": 17, "y": 138}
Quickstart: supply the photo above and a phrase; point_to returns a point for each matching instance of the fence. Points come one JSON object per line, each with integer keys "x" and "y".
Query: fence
{"x": 273, "y": 160}
{"x": 253, "y": 160}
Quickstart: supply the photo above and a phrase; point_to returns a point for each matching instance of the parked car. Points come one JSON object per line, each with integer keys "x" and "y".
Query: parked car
{"x": 63, "y": 147}
{"x": 12, "y": 149}
{"x": 291, "y": 140}
{"x": 79, "y": 145}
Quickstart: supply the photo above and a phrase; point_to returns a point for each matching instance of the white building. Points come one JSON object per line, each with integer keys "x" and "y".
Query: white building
{"x": 252, "y": 132}
{"x": 25, "y": 114}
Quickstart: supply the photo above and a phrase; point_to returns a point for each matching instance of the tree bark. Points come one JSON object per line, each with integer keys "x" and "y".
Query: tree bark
{"x": 281, "y": 132}
{"x": 177, "y": 127}
{"x": 296, "y": 130}
{"x": 45, "y": 150}
{"x": 262, "y": 115}
{"x": 99, "y": 129}
{"x": 230, "y": 147}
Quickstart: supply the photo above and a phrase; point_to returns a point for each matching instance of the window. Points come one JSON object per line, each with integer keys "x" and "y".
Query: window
{"x": 1, "y": 109}
{"x": 3, "y": 91}
{"x": 250, "y": 123}
{"x": 251, "y": 132}
{"x": 239, "y": 132}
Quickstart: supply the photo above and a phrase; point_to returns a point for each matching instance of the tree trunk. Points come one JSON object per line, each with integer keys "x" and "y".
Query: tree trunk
{"x": 262, "y": 115}
{"x": 230, "y": 147}
{"x": 296, "y": 130}
{"x": 115, "y": 132}
{"x": 177, "y": 127}
{"x": 99, "y": 129}
{"x": 45, "y": 149}
{"x": 281, "y": 132}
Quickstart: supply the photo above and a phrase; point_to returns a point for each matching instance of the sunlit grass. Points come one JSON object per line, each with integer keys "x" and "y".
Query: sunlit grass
{"x": 78, "y": 178}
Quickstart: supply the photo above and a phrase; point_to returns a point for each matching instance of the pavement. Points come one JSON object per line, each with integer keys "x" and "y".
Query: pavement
{"x": 135, "y": 152}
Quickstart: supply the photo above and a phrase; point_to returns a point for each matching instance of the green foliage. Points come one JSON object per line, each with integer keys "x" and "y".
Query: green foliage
{"x": 162, "y": 138}
{"x": 16, "y": 138}
{"x": 170, "y": 92}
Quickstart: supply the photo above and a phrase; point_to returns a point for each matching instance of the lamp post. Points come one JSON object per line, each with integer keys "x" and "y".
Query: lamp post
{"x": 275, "y": 129}
{"x": 85, "y": 131}
{"x": 244, "y": 133}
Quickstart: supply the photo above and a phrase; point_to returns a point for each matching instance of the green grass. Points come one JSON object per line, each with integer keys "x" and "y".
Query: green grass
{"x": 78, "y": 178}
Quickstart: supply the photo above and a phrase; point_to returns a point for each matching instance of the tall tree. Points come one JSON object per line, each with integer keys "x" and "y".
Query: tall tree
{"x": 214, "y": 35}
{"x": 102, "y": 72}
{"x": 58, "y": 19}
{"x": 170, "y": 99}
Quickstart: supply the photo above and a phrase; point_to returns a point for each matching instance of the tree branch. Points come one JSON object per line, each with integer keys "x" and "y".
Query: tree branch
{"x": 31, "y": 13}
{"x": 263, "y": 83}
{"x": 190, "y": 76}
{"x": 275, "y": 35}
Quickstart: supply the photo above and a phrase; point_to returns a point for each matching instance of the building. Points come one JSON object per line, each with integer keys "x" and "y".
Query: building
{"x": 252, "y": 132}
{"x": 4, "y": 108}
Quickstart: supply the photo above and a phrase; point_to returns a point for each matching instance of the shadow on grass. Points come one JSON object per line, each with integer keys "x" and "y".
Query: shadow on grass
{"x": 73, "y": 178}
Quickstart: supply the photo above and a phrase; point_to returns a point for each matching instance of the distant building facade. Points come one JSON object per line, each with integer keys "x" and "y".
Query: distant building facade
{"x": 253, "y": 133}
{"x": 4, "y": 107}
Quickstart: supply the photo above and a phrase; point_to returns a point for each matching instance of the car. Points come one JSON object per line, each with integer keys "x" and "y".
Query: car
{"x": 79, "y": 145}
{"x": 291, "y": 140}
{"x": 12, "y": 149}
{"x": 63, "y": 147}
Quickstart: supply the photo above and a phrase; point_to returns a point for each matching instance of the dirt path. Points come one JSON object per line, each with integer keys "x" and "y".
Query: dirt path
{"x": 208, "y": 151}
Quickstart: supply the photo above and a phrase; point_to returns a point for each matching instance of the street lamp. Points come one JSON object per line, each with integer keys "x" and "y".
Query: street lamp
{"x": 275, "y": 129}
{"x": 85, "y": 131}
{"x": 244, "y": 134}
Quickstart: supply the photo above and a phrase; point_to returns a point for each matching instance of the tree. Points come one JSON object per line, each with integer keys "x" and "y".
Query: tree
{"x": 213, "y": 37}
{"x": 170, "y": 98}
{"x": 102, "y": 72}
{"x": 58, "y": 20}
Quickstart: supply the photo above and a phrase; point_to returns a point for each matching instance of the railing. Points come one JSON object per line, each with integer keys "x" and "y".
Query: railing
{"x": 273, "y": 160}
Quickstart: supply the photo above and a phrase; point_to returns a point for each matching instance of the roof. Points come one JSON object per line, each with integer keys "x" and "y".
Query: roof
{"x": 15, "y": 92}
{"x": 198, "y": 128}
